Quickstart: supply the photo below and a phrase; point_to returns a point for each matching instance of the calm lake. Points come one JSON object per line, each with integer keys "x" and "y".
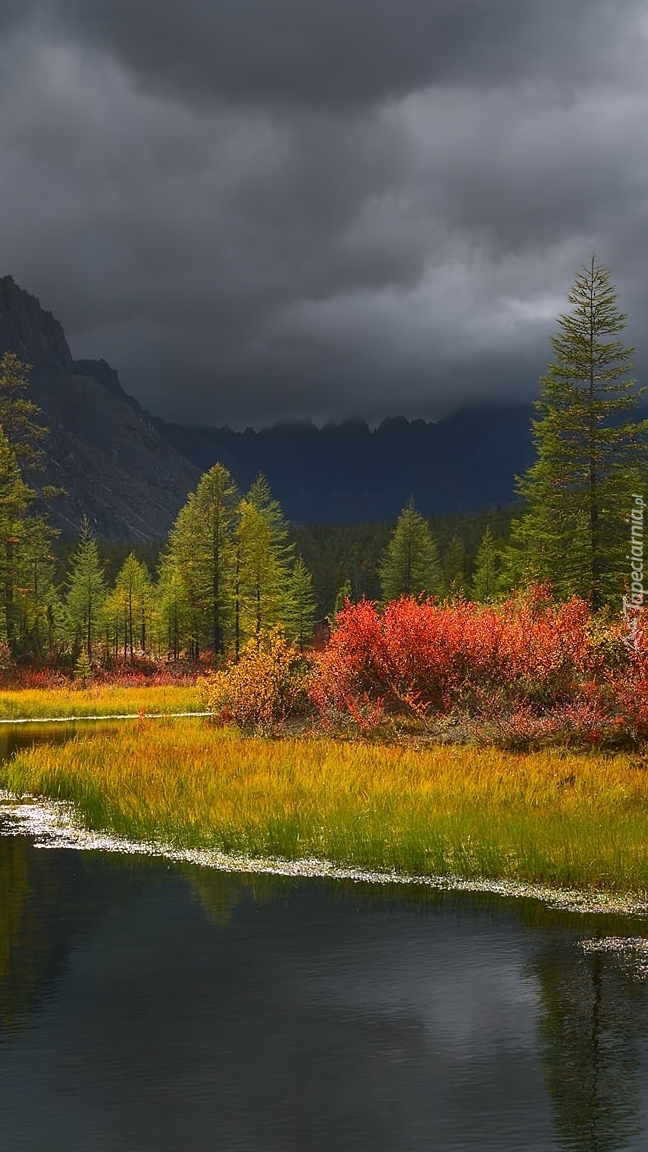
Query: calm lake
{"x": 150, "y": 1006}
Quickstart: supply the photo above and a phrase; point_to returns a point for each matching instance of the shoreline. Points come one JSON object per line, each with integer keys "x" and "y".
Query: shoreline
{"x": 104, "y": 716}
{"x": 57, "y": 824}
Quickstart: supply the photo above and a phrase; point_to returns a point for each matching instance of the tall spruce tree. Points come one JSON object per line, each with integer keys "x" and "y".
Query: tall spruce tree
{"x": 591, "y": 453}
{"x": 15, "y": 498}
{"x": 485, "y": 581}
{"x": 410, "y": 564}
{"x": 19, "y": 416}
{"x": 454, "y": 568}
{"x": 300, "y": 609}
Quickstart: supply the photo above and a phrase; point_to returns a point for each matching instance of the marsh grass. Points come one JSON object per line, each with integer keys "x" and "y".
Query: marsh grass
{"x": 562, "y": 820}
{"x": 96, "y": 700}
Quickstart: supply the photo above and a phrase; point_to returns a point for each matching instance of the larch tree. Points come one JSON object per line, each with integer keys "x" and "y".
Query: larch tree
{"x": 263, "y": 562}
{"x": 202, "y": 548}
{"x": 410, "y": 564}
{"x": 181, "y": 559}
{"x": 15, "y": 498}
{"x": 127, "y": 608}
{"x": 214, "y": 553}
{"x": 591, "y": 451}
{"x": 30, "y": 602}
{"x": 171, "y": 616}
{"x": 20, "y": 416}
{"x": 86, "y": 591}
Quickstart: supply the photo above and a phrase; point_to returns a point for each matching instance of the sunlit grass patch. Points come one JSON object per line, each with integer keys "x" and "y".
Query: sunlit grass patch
{"x": 96, "y": 700}
{"x": 562, "y": 820}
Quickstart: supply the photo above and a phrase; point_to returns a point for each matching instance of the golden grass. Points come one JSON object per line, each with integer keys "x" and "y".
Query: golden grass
{"x": 562, "y": 820}
{"x": 96, "y": 700}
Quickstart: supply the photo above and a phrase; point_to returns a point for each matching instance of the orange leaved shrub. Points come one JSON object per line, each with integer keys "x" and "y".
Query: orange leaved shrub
{"x": 262, "y": 689}
{"x": 423, "y": 657}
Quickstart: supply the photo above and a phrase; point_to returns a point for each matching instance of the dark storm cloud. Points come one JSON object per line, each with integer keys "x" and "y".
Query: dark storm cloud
{"x": 265, "y": 209}
{"x": 342, "y": 53}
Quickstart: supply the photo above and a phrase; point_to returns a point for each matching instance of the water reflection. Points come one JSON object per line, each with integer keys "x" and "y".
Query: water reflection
{"x": 156, "y": 1006}
{"x": 591, "y": 1027}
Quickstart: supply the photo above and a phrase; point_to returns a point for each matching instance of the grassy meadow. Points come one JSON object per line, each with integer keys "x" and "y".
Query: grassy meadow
{"x": 96, "y": 700}
{"x": 567, "y": 820}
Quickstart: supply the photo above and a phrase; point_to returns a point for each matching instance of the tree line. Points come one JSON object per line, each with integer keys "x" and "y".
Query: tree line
{"x": 581, "y": 528}
{"x": 227, "y": 573}
{"x": 230, "y": 571}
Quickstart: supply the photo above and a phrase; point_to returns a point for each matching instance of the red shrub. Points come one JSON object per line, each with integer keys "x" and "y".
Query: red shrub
{"x": 422, "y": 656}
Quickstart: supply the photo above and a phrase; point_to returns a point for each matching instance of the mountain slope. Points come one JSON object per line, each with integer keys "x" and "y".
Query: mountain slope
{"x": 114, "y": 464}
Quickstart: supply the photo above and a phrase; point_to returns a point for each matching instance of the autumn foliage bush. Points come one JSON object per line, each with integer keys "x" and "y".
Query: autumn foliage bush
{"x": 262, "y": 689}
{"x": 521, "y": 674}
{"x": 422, "y": 657}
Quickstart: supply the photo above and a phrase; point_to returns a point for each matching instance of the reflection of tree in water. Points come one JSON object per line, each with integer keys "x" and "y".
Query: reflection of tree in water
{"x": 24, "y": 951}
{"x": 591, "y": 1025}
{"x": 48, "y": 900}
{"x": 219, "y": 893}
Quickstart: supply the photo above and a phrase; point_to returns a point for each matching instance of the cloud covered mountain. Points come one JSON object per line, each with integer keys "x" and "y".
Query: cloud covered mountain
{"x": 130, "y": 472}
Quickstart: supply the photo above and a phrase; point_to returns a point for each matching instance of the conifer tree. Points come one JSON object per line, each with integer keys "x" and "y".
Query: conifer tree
{"x": 19, "y": 416}
{"x": 263, "y": 577}
{"x": 410, "y": 564}
{"x": 181, "y": 558}
{"x": 591, "y": 451}
{"x": 127, "y": 608}
{"x": 38, "y": 614}
{"x": 485, "y": 583}
{"x": 172, "y": 622}
{"x": 300, "y": 608}
{"x": 215, "y": 510}
{"x": 29, "y": 600}
{"x": 454, "y": 568}
{"x": 15, "y": 498}
{"x": 202, "y": 547}
{"x": 86, "y": 591}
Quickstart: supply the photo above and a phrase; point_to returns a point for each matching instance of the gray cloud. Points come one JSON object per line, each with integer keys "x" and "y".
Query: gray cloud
{"x": 350, "y": 52}
{"x": 264, "y": 210}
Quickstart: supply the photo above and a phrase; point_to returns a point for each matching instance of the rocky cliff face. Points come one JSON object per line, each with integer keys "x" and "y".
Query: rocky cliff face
{"x": 114, "y": 465}
{"x": 31, "y": 332}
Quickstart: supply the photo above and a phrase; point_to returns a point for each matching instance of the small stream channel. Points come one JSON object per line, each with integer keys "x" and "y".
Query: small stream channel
{"x": 148, "y": 1005}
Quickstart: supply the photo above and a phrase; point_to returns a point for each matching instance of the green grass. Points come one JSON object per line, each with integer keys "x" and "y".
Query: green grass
{"x": 561, "y": 820}
{"x": 99, "y": 700}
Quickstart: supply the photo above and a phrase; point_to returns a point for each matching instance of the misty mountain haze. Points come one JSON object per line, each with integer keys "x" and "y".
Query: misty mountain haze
{"x": 130, "y": 472}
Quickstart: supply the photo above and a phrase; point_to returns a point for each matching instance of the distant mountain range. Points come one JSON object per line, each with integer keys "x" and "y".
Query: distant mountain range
{"x": 130, "y": 472}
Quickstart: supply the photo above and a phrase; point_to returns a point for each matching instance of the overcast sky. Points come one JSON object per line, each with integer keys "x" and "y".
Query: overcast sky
{"x": 260, "y": 210}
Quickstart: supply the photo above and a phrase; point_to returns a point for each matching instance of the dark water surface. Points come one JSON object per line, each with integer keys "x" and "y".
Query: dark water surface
{"x": 155, "y": 1007}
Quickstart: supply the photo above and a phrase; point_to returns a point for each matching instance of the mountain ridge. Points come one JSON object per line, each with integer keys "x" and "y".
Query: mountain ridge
{"x": 130, "y": 471}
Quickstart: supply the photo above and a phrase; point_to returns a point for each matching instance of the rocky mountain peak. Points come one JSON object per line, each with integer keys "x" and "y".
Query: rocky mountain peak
{"x": 31, "y": 332}
{"x": 113, "y": 464}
